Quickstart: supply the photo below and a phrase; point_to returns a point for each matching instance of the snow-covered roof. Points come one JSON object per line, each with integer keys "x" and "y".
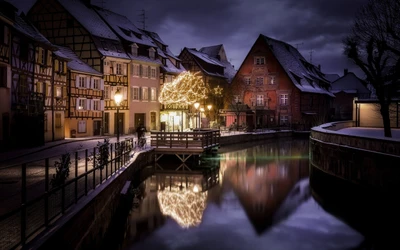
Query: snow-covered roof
{"x": 145, "y": 59}
{"x": 124, "y": 27}
{"x": 58, "y": 53}
{"x": 211, "y": 50}
{"x": 26, "y": 28}
{"x": 171, "y": 68}
{"x": 75, "y": 62}
{"x": 304, "y": 75}
{"x": 349, "y": 83}
{"x": 332, "y": 77}
{"x": 87, "y": 17}
{"x": 157, "y": 38}
{"x": 204, "y": 57}
{"x": 229, "y": 71}
{"x": 109, "y": 47}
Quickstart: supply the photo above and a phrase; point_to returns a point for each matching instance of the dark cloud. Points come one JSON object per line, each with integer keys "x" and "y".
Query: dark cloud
{"x": 311, "y": 25}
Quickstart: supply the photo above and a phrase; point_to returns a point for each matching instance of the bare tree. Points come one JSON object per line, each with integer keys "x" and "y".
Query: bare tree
{"x": 374, "y": 46}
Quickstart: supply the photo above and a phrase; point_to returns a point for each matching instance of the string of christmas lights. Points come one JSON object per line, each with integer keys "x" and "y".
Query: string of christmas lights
{"x": 187, "y": 88}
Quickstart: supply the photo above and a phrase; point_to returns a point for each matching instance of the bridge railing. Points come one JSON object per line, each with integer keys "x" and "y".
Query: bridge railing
{"x": 31, "y": 202}
{"x": 196, "y": 139}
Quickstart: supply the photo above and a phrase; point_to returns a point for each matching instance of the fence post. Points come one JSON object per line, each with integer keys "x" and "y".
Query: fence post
{"x": 94, "y": 168}
{"x": 23, "y": 203}
{"x": 76, "y": 177}
{"x": 46, "y": 194}
{"x": 86, "y": 170}
{"x": 111, "y": 157}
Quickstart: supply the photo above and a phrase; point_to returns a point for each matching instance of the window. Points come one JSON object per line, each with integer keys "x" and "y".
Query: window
{"x": 81, "y": 126}
{"x": 284, "y": 120}
{"x": 259, "y": 60}
{"x": 164, "y": 61}
{"x": 153, "y": 73}
{"x": 136, "y": 70}
{"x": 152, "y": 53}
{"x": 259, "y": 80}
{"x": 145, "y": 71}
{"x": 38, "y": 87}
{"x": 145, "y": 94}
{"x": 106, "y": 92}
{"x": 284, "y": 99}
{"x": 236, "y": 99}
{"x": 61, "y": 67}
{"x": 81, "y": 104}
{"x": 119, "y": 69}
{"x": 42, "y": 56}
{"x": 247, "y": 80}
{"x": 82, "y": 82}
{"x": 96, "y": 105}
{"x": 260, "y": 100}
{"x": 58, "y": 120}
{"x": 96, "y": 83}
{"x": 135, "y": 93}
{"x": 153, "y": 94}
{"x": 58, "y": 92}
{"x": 272, "y": 80}
{"x": 134, "y": 49}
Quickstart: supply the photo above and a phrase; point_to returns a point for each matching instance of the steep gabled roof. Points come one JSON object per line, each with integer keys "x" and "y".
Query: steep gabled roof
{"x": 211, "y": 50}
{"x": 22, "y": 25}
{"x": 75, "y": 62}
{"x": 124, "y": 28}
{"x": 204, "y": 57}
{"x": 157, "y": 38}
{"x": 297, "y": 68}
{"x": 107, "y": 42}
{"x": 350, "y": 83}
{"x": 332, "y": 77}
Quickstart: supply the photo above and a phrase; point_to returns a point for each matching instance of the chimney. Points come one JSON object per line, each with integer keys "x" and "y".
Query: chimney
{"x": 346, "y": 71}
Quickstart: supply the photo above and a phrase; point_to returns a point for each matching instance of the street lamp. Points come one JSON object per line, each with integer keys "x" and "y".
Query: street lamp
{"x": 201, "y": 111}
{"x": 209, "y": 106}
{"x": 196, "y": 106}
{"x": 117, "y": 100}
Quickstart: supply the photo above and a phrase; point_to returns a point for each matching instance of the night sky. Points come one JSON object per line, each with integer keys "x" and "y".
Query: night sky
{"x": 310, "y": 25}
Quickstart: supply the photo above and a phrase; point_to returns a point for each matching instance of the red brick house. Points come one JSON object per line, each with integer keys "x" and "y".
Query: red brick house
{"x": 276, "y": 86}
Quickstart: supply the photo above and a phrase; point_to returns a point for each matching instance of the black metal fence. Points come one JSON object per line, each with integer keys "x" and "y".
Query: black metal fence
{"x": 31, "y": 202}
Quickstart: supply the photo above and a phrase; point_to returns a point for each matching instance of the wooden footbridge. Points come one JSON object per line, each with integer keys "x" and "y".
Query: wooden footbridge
{"x": 184, "y": 144}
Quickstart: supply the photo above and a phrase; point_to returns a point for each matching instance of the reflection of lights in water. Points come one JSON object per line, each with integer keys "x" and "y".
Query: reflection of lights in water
{"x": 185, "y": 207}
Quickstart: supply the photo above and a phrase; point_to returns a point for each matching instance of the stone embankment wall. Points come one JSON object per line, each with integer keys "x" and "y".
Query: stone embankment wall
{"x": 251, "y": 137}
{"x": 367, "y": 162}
{"x": 85, "y": 226}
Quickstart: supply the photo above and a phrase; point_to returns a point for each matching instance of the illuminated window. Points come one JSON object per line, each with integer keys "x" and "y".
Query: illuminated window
{"x": 259, "y": 60}
{"x": 58, "y": 92}
{"x": 272, "y": 79}
{"x": 153, "y": 72}
{"x": 260, "y": 100}
{"x": 284, "y": 99}
{"x": 119, "y": 69}
{"x": 145, "y": 94}
{"x": 135, "y": 93}
{"x": 81, "y": 104}
{"x": 39, "y": 87}
{"x": 153, "y": 94}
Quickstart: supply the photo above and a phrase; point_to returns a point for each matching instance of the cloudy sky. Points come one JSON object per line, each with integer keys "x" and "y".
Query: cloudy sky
{"x": 315, "y": 27}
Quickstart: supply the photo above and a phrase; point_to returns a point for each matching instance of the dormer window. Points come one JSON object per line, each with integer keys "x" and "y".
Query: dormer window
{"x": 164, "y": 61}
{"x": 164, "y": 48}
{"x": 259, "y": 60}
{"x": 152, "y": 53}
{"x": 134, "y": 49}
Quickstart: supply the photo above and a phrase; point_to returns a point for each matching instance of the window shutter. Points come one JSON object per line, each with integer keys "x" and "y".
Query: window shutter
{"x": 140, "y": 70}
{"x": 77, "y": 104}
{"x": 77, "y": 81}
{"x": 124, "y": 67}
{"x": 131, "y": 88}
{"x": 112, "y": 93}
{"x": 140, "y": 93}
{"x": 39, "y": 58}
{"x": 125, "y": 93}
{"x": 56, "y": 65}
{"x": 48, "y": 57}
{"x": 91, "y": 104}
{"x": 148, "y": 94}
{"x": 102, "y": 105}
{"x": 87, "y": 80}
{"x": 64, "y": 91}
{"x": 101, "y": 84}
{"x": 114, "y": 65}
{"x": 65, "y": 67}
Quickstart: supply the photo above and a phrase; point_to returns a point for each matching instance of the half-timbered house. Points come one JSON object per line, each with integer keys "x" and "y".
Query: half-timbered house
{"x": 217, "y": 73}
{"x": 7, "y": 13}
{"x": 75, "y": 24}
{"x": 280, "y": 87}
{"x": 85, "y": 100}
{"x": 144, "y": 70}
{"x": 175, "y": 116}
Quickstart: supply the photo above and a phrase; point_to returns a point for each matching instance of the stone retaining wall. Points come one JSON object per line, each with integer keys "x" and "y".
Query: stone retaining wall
{"x": 250, "y": 137}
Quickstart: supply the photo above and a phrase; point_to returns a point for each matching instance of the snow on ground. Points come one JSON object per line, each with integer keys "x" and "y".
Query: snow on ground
{"x": 369, "y": 132}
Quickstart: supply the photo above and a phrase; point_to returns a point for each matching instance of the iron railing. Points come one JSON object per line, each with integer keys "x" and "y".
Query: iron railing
{"x": 31, "y": 203}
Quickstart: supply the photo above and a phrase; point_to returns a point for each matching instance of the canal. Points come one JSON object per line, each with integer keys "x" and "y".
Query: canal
{"x": 254, "y": 196}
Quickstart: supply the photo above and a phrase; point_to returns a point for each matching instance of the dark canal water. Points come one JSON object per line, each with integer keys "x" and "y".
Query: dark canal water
{"x": 257, "y": 197}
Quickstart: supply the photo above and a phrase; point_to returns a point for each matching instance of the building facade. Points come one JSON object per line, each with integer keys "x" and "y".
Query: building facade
{"x": 275, "y": 86}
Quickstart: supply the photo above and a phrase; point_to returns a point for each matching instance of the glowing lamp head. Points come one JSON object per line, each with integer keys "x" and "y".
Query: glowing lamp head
{"x": 209, "y": 106}
{"x": 196, "y": 105}
{"x": 118, "y": 97}
{"x": 202, "y": 109}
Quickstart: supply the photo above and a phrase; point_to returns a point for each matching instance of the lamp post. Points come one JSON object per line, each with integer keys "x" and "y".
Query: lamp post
{"x": 209, "y": 106}
{"x": 117, "y": 100}
{"x": 201, "y": 110}
{"x": 196, "y": 106}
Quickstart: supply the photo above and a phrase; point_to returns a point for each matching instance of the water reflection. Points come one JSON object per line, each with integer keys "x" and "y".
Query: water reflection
{"x": 260, "y": 197}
